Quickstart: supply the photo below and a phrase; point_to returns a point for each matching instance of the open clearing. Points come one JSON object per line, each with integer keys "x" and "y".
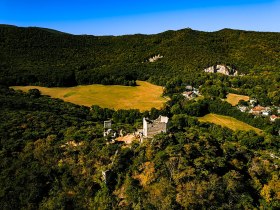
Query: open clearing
{"x": 142, "y": 97}
{"x": 233, "y": 99}
{"x": 228, "y": 122}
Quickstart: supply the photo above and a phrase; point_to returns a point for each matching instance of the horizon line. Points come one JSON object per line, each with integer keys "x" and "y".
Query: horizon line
{"x": 131, "y": 34}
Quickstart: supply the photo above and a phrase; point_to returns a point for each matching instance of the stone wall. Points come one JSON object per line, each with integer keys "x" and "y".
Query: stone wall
{"x": 153, "y": 127}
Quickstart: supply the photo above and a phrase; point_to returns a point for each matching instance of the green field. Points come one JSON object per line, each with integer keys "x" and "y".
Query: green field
{"x": 142, "y": 97}
{"x": 233, "y": 99}
{"x": 228, "y": 122}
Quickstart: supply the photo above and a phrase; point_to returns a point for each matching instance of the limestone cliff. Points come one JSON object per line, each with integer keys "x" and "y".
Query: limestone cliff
{"x": 222, "y": 69}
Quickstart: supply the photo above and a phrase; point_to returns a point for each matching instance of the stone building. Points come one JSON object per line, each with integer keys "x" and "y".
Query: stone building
{"x": 107, "y": 124}
{"x": 153, "y": 127}
{"x": 108, "y": 132}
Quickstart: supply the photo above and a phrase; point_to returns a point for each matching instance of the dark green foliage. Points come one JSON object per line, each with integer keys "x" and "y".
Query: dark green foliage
{"x": 181, "y": 121}
{"x": 194, "y": 166}
{"x": 126, "y": 116}
{"x": 44, "y": 57}
{"x": 35, "y": 93}
{"x": 53, "y": 153}
{"x": 100, "y": 114}
{"x": 197, "y": 109}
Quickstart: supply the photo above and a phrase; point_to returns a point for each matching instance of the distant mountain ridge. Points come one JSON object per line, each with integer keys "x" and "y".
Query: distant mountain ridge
{"x": 48, "y": 57}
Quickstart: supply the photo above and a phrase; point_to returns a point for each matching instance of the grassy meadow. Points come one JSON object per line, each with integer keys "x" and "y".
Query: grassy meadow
{"x": 142, "y": 97}
{"x": 233, "y": 99}
{"x": 228, "y": 122}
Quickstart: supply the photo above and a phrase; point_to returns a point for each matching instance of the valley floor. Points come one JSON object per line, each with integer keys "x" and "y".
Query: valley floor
{"x": 142, "y": 97}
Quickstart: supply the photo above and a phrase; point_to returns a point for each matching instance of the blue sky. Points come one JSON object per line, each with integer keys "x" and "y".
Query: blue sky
{"x": 108, "y": 17}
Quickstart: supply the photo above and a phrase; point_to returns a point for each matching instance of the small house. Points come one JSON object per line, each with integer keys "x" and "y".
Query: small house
{"x": 196, "y": 91}
{"x": 243, "y": 108}
{"x": 266, "y": 112}
{"x": 253, "y": 102}
{"x": 107, "y": 124}
{"x": 110, "y": 132}
{"x": 189, "y": 94}
{"x": 189, "y": 87}
{"x": 273, "y": 118}
{"x": 257, "y": 110}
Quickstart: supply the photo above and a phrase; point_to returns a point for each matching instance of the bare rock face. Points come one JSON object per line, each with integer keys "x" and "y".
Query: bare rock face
{"x": 155, "y": 58}
{"x": 222, "y": 69}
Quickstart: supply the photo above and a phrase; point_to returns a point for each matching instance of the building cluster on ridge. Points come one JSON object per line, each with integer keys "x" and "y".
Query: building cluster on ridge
{"x": 260, "y": 111}
{"x": 150, "y": 129}
{"x": 191, "y": 92}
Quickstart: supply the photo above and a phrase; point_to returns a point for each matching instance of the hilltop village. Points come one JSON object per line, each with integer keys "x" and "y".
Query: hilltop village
{"x": 252, "y": 107}
{"x": 150, "y": 129}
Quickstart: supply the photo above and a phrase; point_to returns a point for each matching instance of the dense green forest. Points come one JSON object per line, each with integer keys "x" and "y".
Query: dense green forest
{"x": 51, "y": 58}
{"x": 53, "y": 154}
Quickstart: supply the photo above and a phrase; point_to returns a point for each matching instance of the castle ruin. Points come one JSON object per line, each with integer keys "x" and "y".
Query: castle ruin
{"x": 153, "y": 127}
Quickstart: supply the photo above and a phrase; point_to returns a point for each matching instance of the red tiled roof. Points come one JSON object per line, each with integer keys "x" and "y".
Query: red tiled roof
{"x": 274, "y": 117}
{"x": 258, "y": 108}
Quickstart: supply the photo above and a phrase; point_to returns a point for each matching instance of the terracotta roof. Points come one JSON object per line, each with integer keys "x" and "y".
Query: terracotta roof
{"x": 258, "y": 108}
{"x": 274, "y": 117}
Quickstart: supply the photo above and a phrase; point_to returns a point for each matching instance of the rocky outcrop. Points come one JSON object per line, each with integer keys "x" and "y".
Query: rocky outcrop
{"x": 155, "y": 58}
{"x": 222, "y": 69}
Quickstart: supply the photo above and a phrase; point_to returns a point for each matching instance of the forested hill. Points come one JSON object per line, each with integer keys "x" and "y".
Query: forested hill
{"x": 52, "y": 58}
